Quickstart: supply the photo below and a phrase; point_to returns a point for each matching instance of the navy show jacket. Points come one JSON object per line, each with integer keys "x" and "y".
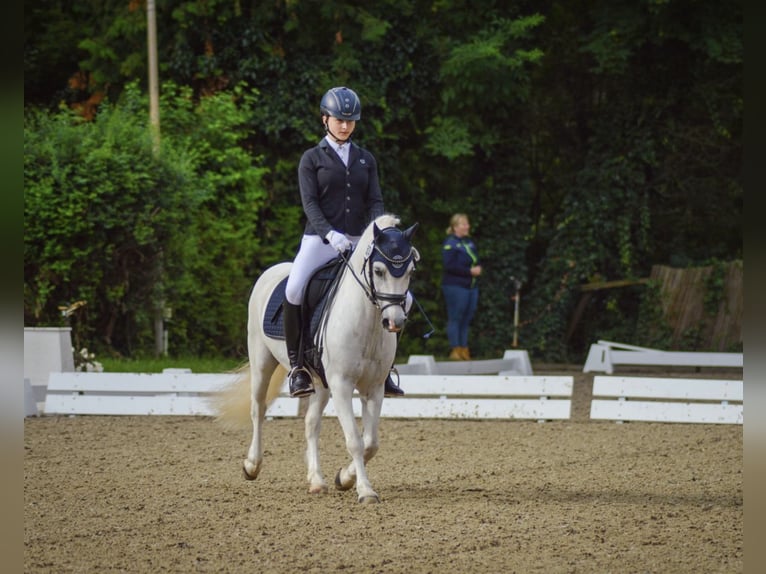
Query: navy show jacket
{"x": 337, "y": 197}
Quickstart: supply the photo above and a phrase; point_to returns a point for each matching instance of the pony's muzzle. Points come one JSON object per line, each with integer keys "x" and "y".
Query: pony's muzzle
{"x": 393, "y": 326}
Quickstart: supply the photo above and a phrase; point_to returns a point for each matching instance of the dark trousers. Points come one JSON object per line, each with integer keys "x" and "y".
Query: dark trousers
{"x": 461, "y": 306}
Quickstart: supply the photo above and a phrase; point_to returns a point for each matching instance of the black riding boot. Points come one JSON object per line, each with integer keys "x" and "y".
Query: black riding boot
{"x": 300, "y": 379}
{"x": 391, "y": 388}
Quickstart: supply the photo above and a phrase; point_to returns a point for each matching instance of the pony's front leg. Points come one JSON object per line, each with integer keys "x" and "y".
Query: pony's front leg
{"x": 370, "y": 419}
{"x": 356, "y": 471}
{"x": 371, "y": 407}
{"x": 313, "y": 426}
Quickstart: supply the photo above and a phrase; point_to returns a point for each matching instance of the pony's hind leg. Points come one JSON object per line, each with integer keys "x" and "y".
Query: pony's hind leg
{"x": 313, "y": 425}
{"x": 260, "y": 377}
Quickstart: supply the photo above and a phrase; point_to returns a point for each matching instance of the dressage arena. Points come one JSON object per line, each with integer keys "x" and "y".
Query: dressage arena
{"x": 166, "y": 494}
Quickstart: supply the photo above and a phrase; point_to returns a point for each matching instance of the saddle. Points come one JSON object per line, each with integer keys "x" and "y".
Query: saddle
{"x": 318, "y": 294}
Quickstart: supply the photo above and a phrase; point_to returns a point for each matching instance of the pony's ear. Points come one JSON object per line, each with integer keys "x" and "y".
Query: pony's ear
{"x": 408, "y": 233}
{"x": 375, "y": 231}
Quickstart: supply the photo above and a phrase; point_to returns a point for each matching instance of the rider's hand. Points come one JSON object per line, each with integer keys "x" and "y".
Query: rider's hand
{"x": 339, "y": 241}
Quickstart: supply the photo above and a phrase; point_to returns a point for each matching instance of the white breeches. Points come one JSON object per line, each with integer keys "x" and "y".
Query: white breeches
{"x": 312, "y": 254}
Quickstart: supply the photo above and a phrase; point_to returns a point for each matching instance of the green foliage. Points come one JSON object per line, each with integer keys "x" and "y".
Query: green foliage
{"x": 449, "y": 137}
{"x": 715, "y": 287}
{"x": 585, "y": 140}
{"x": 652, "y": 328}
{"x": 158, "y": 364}
{"x": 110, "y": 223}
{"x": 98, "y": 211}
{"x": 219, "y": 257}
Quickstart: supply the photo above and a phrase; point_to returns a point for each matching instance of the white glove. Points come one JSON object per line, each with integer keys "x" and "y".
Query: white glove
{"x": 339, "y": 241}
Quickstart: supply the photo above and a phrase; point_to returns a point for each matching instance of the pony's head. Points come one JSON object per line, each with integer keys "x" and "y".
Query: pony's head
{"x": 390, "y": 259}
{"x": 394, "y": 249}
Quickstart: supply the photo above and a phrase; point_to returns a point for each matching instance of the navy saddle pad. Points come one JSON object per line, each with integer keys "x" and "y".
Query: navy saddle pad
{"x": 315, "y": 300}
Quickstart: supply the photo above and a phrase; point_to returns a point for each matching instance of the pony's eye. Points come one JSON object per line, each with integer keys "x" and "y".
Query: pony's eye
{"x": 379, "y": 272}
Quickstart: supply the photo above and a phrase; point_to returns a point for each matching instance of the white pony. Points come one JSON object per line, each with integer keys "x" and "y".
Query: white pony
{"x": 359, "y": 348}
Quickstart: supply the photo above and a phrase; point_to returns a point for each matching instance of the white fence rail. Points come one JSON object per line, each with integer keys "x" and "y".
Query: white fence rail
{"x": 512, "y": 363}
{"x": 667, "y": 400}
{"x": 430, "y": 396}
{"x": 46, "y": 350}
{"x": 605, "y": 355}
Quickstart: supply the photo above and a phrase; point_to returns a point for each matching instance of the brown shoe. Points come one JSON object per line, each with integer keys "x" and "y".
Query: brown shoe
{"x": 456, "y": 354}
{"x": 465, "y": 353}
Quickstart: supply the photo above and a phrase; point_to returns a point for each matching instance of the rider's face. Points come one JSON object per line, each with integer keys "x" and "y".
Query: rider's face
{"x": 341, "y": 129}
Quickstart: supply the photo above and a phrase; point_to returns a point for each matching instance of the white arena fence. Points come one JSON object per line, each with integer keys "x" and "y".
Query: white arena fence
{"x": 480, "y": 389}
{"x": 428, "y": 396}
{"x": 667, "y": 400}
{"x": 604, "y": 356}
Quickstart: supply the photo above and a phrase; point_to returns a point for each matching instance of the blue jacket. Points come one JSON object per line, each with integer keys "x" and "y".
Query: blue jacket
{"x": 337, "y": 197}
{"x": 458, "y": 256}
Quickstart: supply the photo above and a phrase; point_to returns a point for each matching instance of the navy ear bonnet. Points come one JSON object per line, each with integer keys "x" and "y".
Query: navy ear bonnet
{"x": 392, "y": 247}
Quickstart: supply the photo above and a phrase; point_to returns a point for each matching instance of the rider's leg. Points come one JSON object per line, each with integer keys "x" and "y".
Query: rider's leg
{"x": 311, "y": 255}
{"x": 299, "y": 377}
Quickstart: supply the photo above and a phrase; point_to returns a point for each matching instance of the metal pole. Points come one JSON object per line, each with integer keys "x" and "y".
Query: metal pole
{"x": 160, "y": 343}
{"x": 154, "y": 89}
{"x": 516, "y": 297}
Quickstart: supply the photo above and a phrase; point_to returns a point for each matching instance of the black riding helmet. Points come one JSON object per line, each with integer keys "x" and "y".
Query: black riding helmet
{"x": 341, "y": 103}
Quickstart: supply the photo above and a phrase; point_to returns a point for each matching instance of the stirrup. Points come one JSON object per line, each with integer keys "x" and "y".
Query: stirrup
{"x": 391, "y": 388}
{"x": 300, "y": 386}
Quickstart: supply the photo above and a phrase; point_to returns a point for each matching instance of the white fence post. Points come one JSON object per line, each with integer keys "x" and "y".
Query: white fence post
{"x": 46, "y": 350}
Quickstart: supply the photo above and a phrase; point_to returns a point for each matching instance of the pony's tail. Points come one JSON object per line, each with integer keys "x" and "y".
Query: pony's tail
{"x": 275, "y": 384}
{"x": 231, "y": 404}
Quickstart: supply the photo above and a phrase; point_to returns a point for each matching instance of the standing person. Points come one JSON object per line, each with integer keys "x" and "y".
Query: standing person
{"x": 340, "y": 194}
{"x": 460, "y": 284}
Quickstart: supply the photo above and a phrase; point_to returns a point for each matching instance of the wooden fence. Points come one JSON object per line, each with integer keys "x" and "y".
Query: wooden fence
{"x": 683, "y": 293}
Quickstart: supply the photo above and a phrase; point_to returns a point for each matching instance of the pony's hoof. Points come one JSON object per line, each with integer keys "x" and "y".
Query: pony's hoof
{"x": 247, "y": 475}
{"x": 339, "y": 484}
{"x": 374, "y": 499}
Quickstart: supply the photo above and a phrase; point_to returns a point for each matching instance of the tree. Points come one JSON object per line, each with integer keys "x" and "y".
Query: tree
{"x": 108, "y": 222}
{"x": 584, "y": 139}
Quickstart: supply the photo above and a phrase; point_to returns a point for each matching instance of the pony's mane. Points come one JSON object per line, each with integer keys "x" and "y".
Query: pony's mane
{"x": 382, "y": 221}
{"x": 387, "y": 220}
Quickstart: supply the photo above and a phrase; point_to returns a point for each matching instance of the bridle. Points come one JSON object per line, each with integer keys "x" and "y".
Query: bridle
{"x": 391, "y": 247}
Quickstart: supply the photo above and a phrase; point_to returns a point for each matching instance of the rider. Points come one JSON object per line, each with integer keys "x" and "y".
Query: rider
{"x": 340, "y": 194}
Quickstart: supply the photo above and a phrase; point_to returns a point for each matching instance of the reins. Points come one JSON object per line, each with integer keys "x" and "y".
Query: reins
{"x": 368, "y": 287}
{"x": 319, "y": 336}
{"x": 367, "y": 291}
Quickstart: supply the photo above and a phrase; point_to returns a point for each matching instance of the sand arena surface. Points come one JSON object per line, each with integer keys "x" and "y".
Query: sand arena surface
{"x": 166, "y": 494}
